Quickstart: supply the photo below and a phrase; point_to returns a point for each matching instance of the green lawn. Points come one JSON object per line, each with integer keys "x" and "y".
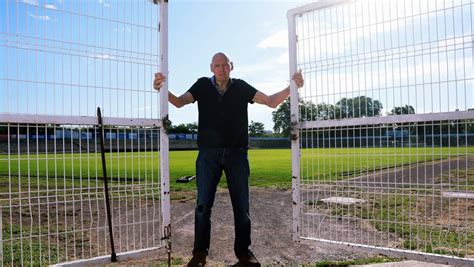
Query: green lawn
{"x": 269, "y": 167}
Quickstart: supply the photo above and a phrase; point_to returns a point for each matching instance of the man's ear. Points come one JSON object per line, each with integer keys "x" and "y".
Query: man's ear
{"x": 210, "y": 67}
{"x": 231, "y": 65}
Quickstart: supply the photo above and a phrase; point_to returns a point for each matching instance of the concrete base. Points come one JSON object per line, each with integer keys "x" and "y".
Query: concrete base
{"x": 458, "y": 194}
{"x": 405, "y": 264}
{"x": 343, "y": 200}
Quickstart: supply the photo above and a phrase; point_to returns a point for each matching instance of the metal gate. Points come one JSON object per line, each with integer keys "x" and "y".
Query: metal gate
{"x": 60, "y": 60}
{"x": 383, "y": 131}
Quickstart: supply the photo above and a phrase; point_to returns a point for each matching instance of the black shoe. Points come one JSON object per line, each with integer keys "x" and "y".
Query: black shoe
{"x": 248, "y": 259}
{"x": 198, "y": 259}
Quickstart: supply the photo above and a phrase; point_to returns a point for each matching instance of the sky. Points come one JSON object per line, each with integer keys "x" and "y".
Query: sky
{"x": 252, "y": 33}
{"x": 65, "y": 58}
{"x": 60, "y": 58}
{"x": 417, "y": 53}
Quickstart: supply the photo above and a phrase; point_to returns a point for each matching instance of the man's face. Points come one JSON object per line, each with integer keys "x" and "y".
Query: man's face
{"x": 221, "y": 67}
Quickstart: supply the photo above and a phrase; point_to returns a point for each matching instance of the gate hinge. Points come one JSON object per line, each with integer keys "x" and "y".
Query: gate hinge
{"x": 166, "y": 123}
{"x": 167, "y": 237}
{"x": 294, "y": 130}
{"x": 166, "y": 232}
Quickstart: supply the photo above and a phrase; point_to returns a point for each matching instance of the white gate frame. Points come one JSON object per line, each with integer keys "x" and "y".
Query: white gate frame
{"x": 294, "y": 112}
{"x": 164, "y": 141}
{"x": 297, "y": 126}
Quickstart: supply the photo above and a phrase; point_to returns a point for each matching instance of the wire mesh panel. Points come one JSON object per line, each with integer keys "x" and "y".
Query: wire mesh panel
{"x": 60, "y": 61}
{"x": 385, "y": 146}
{"x": 69, "y": 58}
{"x": 52, "y": 197}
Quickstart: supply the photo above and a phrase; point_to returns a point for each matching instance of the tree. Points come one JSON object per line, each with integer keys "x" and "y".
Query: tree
{"x": 413, "y": 129}
{"x": 360, "y": 106}
{"x": 307, "y": 110}
{"x": 192, "y": 127}
{"x": 407, "y": 109}
{"x": 256, "y": 129}
{"x": 281, "y": 118}
{"x": 183, "y": 128}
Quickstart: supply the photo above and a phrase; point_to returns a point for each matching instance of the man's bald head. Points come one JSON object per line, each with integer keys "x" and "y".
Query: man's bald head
{"x": 221, "y": 66}
{"x": 220, "y": 55}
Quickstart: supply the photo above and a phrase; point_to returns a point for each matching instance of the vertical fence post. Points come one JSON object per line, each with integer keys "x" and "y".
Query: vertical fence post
{"x": 164, "y": 142}
{"x": 294, "y": 136}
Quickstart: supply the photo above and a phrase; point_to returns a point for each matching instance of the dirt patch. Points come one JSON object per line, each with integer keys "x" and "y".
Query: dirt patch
{"x": 271, "y": 214}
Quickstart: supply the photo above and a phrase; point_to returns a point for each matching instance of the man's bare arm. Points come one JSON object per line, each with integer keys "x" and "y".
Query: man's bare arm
{"x": 178, "y": 102}
{"x": 274, "y": 100}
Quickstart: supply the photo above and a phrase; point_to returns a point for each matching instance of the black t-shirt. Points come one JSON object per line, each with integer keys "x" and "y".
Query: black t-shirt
{"x": 223, "y": 119}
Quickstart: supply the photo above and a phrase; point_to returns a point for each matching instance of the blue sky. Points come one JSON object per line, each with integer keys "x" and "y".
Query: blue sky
{"x": 252, "y": 33}
{"x": 417, "y": 53}
{"x": 401, "y": 52}
{"x": 62, "y": 57}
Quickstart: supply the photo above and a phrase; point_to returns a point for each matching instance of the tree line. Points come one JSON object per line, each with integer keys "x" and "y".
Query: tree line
{"x": 356, "y": 107}
{"x": 256, "y": 129}
{"x": 363, "y": 106}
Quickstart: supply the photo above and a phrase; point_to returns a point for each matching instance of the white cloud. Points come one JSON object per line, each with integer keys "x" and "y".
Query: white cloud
{"x": 43, "y": 18}
{"x": 276, "y": 40}
{"x": 50, "y": 6}
{"x": 102, "y": 2}
{"x": 390, "y": 85}
{"x": 267, "y": 75}
{"x": 271, "y": 87}
{"x": 102, "y": 56}
{"x": 264, "y": 66}
{"x": 284, "y": 58}
{"x": 31, "y": 2}
{"x": 250, "y": 69}
{"x": 355, "y": 27}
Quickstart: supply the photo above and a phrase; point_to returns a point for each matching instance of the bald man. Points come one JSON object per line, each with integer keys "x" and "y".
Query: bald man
{"x": 223, "y": 144}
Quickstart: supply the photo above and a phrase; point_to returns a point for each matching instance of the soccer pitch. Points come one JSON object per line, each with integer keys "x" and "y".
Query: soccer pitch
{"x": 269, "y": 167}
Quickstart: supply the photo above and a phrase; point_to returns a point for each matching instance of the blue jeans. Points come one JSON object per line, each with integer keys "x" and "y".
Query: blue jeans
{"x": 209, "y": 166}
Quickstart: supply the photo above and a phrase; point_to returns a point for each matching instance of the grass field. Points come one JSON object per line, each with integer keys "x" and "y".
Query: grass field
{"x": 269, "y": 167}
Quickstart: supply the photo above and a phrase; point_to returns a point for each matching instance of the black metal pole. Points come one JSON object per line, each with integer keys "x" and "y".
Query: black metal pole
{"x": 113, "y": 256}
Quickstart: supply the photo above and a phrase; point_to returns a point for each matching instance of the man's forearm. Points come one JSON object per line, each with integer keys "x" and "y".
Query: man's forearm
{"x": 176, "y": 101}
{"x": 279, "y": 97}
